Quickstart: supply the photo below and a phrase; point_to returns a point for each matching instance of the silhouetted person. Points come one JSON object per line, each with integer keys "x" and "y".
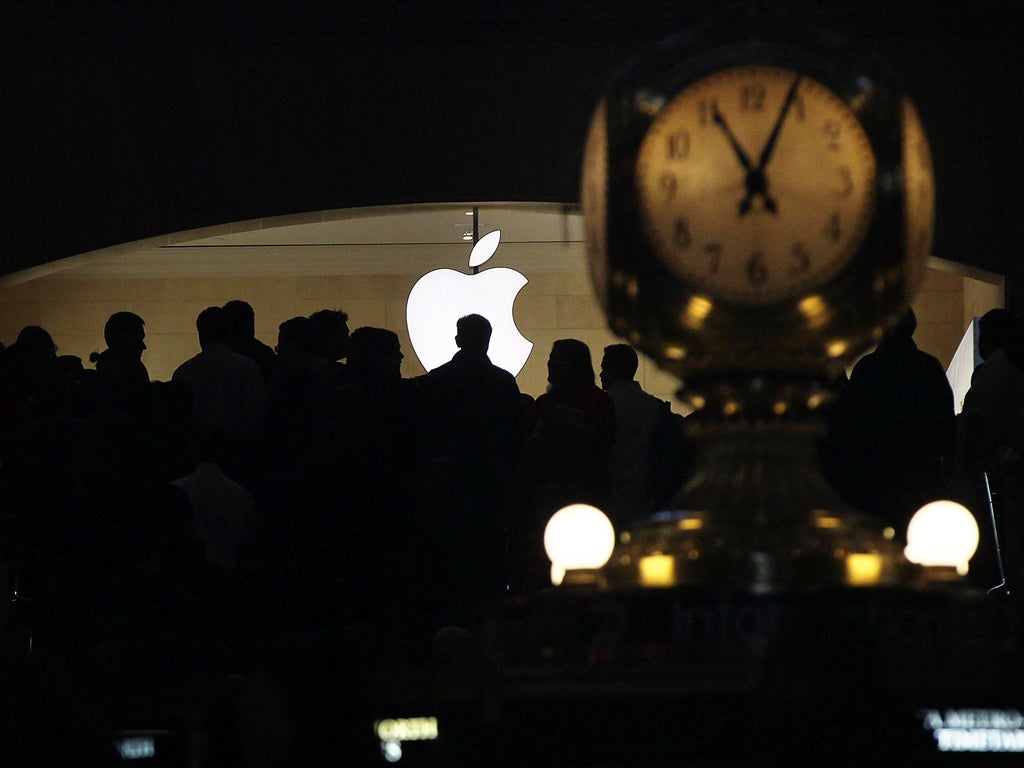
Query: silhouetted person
{"x": 31, "y": 383}
{"x": 376, "y": 384}
{"x": 472, "y": 406}
{"x": 298, "y": 395}
{"x": 227, "y": 388}
{"x": 892, "y": 433}
{"x": 242, "y": 338}
{"x": 124, "y": 334}
{"x": 990, "y": 440}
{"x": 473, "y": 426}
{"x": 646, "y": 462}
{"x": 223, "y": 511}
{"x": 329, "y": 339}
{"x": 565, "y": 457}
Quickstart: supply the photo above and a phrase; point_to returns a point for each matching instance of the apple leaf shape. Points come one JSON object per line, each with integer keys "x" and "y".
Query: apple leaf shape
{"x": 484, "y": 248}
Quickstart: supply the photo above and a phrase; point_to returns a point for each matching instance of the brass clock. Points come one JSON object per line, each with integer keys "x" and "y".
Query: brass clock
{"x": 755, "y": 184}
{"x": 756, "y": 201}
{"x": 758, "y": 205}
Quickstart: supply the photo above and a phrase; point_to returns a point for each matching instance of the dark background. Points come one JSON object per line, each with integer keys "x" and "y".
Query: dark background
{"x": 124, "y": 120}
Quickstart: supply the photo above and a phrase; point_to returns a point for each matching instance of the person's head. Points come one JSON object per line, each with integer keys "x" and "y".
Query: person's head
{"x": 213, "y": 326}
{"x": 375, "y": 353}
{"x": 997, "y": 329}
{"x": 293, "y": 339}
{"x": 329, "y": 334}
{"x": 34, "y": 351}
{"x": 570, "y": 366}
{"x": 36, "y": 342}
{"x": 904, "y": 327}
{"x": 124, "y": 333}
{"x": 473, "y": 334}
{"x": 242, "y": 319}
{"x": 618, "y": 364}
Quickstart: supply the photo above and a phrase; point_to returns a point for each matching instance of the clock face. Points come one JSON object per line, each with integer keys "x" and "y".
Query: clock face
{"x": 756, "y": 184}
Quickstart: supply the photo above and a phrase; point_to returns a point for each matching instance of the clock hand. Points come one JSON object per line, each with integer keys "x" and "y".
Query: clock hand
{"x": 754, "y": 179}
{"x": 769, "y": 146}
{"x": 757, "y": 182}
{"x": 740, "y": 154}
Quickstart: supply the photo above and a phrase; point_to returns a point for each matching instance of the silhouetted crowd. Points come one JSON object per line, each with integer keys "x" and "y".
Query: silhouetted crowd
{"x": 266, "y": 491}
{"x": 157, "y": 532}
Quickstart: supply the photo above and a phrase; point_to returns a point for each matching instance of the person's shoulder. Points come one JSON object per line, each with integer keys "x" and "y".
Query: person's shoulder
{"x": 186, "y": 367}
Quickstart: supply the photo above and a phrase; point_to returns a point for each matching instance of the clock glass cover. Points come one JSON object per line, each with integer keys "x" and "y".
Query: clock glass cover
{"x": 756, "y": 184}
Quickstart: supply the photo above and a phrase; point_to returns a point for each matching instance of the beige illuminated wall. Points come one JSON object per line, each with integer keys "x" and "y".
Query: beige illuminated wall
{"x": 365, "y": 261}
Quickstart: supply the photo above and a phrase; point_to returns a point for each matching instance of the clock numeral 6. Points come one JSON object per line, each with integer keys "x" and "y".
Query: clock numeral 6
{"x": 757, "y": 271}
{"x": 679, "y": 145}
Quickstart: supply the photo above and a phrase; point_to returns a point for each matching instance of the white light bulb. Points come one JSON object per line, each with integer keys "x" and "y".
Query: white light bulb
{"x": 578, "y": 536}
{"x": 942, "y": 533}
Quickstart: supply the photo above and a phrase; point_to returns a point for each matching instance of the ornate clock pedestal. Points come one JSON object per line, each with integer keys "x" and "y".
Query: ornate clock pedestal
{"x": 757, "y": 514}
{"x": 758, "y": 208}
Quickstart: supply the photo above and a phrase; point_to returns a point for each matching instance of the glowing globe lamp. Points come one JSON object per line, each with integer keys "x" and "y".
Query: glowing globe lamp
{"x": 943, "y": 534}
{"x": 578, "y": 537}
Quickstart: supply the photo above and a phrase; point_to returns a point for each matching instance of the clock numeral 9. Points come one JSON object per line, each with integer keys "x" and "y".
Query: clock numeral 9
{"x": 757, "y": 271}
{"x": 681, "y": 234}
{"x": 801, "y": 259}
{"x": 833, "y": 230}
{"x": 679, "y": 145}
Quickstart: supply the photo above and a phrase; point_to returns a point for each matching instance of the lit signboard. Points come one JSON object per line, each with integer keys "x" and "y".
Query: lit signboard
{"x": 975, "y": 730}
{"x": 393, "y": 731}
{"x": 441, "y": 297}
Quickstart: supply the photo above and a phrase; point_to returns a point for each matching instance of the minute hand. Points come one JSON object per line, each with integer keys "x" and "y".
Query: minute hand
{"x": 769, "y": 146}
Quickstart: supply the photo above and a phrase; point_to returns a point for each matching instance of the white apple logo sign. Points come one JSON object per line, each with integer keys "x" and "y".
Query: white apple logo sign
{"x": 441, "y": 297}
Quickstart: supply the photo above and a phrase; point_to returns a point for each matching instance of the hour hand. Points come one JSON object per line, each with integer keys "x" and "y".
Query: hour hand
{"x": 741, "y": 155}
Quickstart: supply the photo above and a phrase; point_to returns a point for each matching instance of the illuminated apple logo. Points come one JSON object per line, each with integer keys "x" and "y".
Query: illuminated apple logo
{"x": 441, "y": 297}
